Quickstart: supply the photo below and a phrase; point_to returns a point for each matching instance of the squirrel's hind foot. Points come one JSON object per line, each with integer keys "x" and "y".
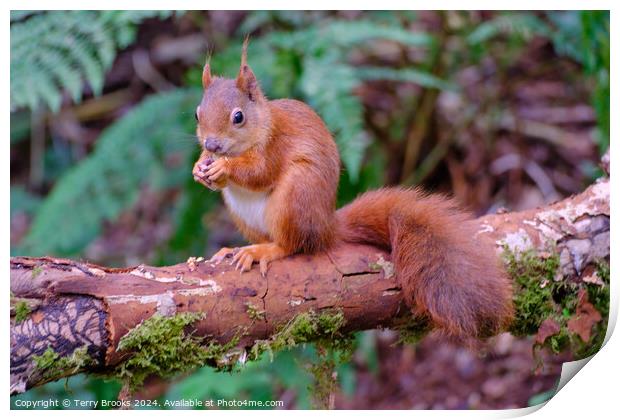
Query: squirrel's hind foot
{"x": 262, "y": 253}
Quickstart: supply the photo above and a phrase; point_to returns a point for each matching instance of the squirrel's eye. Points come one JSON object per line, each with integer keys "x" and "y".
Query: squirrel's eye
{"x": 237, "y": 117}
{"x": 196, "y": 115}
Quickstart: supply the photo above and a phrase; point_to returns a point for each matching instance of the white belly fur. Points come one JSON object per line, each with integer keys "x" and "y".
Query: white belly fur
{"x": 247, "y": 205}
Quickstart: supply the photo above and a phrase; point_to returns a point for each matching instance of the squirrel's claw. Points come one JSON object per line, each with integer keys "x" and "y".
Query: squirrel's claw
{"x": 264, "y": 266}
{"x": 261, "y": 253}
{"x": 243, "y": 260}
{"x": 220, "y": 255}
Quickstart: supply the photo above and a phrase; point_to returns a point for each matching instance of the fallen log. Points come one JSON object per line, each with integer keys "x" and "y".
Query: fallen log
{"x": 70, "y": 316}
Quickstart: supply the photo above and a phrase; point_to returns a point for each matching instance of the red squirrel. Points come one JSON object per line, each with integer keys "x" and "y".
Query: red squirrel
{"x": 277, "y": 167}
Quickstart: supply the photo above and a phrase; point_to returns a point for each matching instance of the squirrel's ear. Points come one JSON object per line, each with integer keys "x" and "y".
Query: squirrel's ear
{"x": 206, "y": 75}
{"x": 246, "y": 81}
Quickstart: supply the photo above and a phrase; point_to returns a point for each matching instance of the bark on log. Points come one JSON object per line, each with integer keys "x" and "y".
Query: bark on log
{"x": 75, "y": 304}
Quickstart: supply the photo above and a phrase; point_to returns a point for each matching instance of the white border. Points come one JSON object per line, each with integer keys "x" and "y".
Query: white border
{"x": 593, "y": 394}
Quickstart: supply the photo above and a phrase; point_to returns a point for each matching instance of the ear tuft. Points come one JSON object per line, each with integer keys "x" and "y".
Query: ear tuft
{"x": 206, "y": 74}
{"x": 244, "y": 51}
{"x": 246, "y": 81}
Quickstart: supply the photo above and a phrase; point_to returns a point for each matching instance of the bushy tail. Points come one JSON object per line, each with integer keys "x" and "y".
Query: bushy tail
{"x": 447, "y": 273}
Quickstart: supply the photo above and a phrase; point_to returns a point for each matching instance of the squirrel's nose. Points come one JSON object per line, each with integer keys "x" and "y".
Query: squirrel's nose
{"x": 212, "y": 145}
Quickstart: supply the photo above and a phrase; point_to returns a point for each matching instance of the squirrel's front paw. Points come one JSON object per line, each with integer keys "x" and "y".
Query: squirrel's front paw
{"x": 200, "y": 173}
{"x": 217, "y": 173}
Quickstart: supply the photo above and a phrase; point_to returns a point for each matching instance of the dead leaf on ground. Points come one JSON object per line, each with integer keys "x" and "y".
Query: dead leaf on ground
{"x": 585, "y": 317}
{"x": 548, "y": 328}
{"x": 591, "y": 276}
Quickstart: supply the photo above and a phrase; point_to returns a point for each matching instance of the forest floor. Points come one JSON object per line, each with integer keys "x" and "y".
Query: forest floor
{"x": 436, "y": 374}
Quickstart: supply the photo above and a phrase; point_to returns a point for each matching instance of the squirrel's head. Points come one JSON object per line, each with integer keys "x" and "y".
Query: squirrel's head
{"x": 233, "y": 115}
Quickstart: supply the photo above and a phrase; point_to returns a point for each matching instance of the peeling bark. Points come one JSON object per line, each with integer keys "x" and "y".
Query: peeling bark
{"x": 577, "y": 228}
{"x": 78, "y": 304}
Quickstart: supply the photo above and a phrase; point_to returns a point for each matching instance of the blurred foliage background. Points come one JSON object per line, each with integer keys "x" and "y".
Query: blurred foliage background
{"x": 500, "y": 109}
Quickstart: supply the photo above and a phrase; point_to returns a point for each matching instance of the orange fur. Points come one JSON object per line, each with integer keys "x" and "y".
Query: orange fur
{"x": 447, "y": 273}
{"x": 284, "y": 154}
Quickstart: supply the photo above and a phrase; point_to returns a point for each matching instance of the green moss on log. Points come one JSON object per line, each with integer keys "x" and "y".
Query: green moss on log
{"x": 22, "y": 310}
{"x": 325, "y": 382}
{"x": 532, "y": 277}
{"x": 539, "y": 295}
{"x": 36, "y": 271}
{"x": 324, "y": 328}
{"x": 162, "y": 346}
{"x": 254, "y": 313}
{"x": 50, "y": 365}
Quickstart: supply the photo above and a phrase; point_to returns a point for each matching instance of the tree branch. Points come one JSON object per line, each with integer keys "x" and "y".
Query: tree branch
{"x": 72, "y": 315}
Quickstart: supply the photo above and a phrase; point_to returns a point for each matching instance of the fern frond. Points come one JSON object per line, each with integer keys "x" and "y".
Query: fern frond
{"x": 354, "y": 33}
{"x": 55, "y": 51}
{"x": 129, "y": 155}
{"x": 412, "y": 75}
{"x": 328, "y": 88}
{"x": 523, "y": 25}
{"x": 347, "y": 34}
